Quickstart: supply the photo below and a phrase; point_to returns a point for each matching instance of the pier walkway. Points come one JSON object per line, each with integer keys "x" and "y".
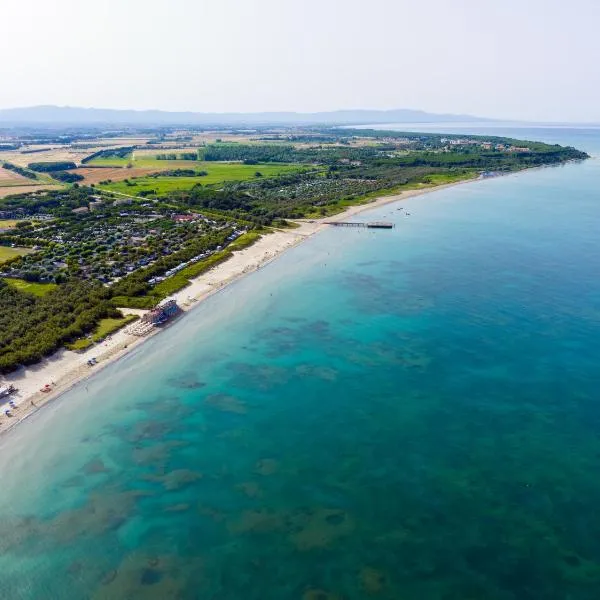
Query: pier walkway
{"x": 370, "y": 225}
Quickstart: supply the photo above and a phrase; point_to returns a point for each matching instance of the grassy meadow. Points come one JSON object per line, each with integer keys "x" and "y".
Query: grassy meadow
{"x": 217, "y": 173}
{"x": 7, "y": 253}
{"x": 144, "y": 161}
{"x": 38, "y": 289}
{"x": 107, "y": 326}
{"x": 445, "y": 178}
{"x": 104, "y": 328}
{"x": 7, "y": 223}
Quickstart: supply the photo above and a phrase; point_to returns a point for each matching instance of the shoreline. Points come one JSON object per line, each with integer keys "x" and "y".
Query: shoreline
{"x": 65, "y": 369}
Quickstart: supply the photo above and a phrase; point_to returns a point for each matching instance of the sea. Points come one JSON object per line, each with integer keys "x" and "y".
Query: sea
{"x": 405, "y": 414}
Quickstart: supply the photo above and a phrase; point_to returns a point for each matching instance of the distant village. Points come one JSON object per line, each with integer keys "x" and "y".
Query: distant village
{"x": 453, "y": 144}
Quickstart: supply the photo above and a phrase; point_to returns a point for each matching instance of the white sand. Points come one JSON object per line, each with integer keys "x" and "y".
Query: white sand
{"x": 65, "y": 368}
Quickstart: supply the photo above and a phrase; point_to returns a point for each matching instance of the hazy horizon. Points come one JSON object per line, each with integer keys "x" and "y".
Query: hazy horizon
{"x": 510, "y": 61}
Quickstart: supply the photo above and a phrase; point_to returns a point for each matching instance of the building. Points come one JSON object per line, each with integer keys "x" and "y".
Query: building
{"x": 161, "y": 312}
{"x": 184, "y": 218}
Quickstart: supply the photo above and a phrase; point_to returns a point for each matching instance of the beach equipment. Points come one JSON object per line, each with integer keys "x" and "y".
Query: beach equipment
{"x": 7, "y": 390}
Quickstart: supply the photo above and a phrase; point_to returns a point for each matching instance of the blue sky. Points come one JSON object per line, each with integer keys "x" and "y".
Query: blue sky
{"x": 525, "y": 59}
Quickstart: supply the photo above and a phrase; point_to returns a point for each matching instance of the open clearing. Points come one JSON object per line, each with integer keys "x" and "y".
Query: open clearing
{"x": 9, "y": 178}
{"x": 7, "y": 253}
{"x": 145, "y": 162}
{"x": 7, "y": 223}
{"x": 150, "y": 162}
{"x": 217, "y": 173}
{"x": 147, "y": 153}
{"x": 75, "y": 153}
{"x": 104, "y": 328}
{"x": 38, "y": 289}
{"x": 92, "y": 175}
{"x": 25, "y": 189}
{"x": 52, "y": 155}
{"x": 107, "y": 326}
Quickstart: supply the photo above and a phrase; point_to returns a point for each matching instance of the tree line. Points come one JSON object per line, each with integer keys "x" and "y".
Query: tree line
{"x": 32, "y": 327}
{"x": 20, "y": 170}
{"x": 67, "y": 177}
{"x": 173, "y": 156}
{"x": 50, "y": 166}
{"x": 123, "y": 152}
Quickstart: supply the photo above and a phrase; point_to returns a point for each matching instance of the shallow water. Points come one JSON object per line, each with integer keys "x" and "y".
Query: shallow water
{"x": 397, "y": 414}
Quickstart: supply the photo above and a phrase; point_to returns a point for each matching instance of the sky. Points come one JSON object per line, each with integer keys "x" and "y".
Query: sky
{"x": 511, "y": 59}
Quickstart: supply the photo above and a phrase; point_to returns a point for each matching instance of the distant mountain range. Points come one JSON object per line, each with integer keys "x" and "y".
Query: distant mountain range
{"x": 66, "y": 115}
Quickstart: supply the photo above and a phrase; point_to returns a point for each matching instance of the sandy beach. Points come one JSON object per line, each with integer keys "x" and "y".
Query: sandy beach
{"x": 65, "y": 369}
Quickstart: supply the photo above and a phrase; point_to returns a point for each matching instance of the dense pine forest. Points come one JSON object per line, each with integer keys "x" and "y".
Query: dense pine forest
{"x": 32, "y": 327}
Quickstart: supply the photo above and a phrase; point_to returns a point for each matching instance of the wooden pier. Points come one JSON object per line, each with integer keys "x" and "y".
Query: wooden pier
{"x": 370, "y": 225}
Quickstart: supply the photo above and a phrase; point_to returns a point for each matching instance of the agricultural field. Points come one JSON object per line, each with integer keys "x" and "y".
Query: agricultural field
{"x": 22, "y": 159}
{"x": 216, "y": 173}
{"x": 143, "y": 162}
{"x": 6, "y": 253}
{"x": 14, "y": 183}
{"x": 75, "y": 152}
{"x": 11, "y": 179}
{"x": 37, "y": 289}
{"x": 111, "y": 161}
{"x": 150, "y": 153}
{"x": 25, "y": 189}
{"x": 116, "y": 142}
{"x": 96, "y": 175}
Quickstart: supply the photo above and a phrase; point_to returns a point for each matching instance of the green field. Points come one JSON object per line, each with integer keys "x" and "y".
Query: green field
{"x": 107, "y": 326}
{"x": 6, "y": 253}
{"x": 217, "y": 173}
{"x": 80, "y": 344}
{"x": 38, "y": 289}
{"x": 7, "y": 224}
{"x": 104, "y": 328}
{"x": 444, "y": 178}
{"x": 144, "y": 162}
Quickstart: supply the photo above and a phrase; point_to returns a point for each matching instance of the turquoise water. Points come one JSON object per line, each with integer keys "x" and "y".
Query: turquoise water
{"x": 405, "y": 414}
